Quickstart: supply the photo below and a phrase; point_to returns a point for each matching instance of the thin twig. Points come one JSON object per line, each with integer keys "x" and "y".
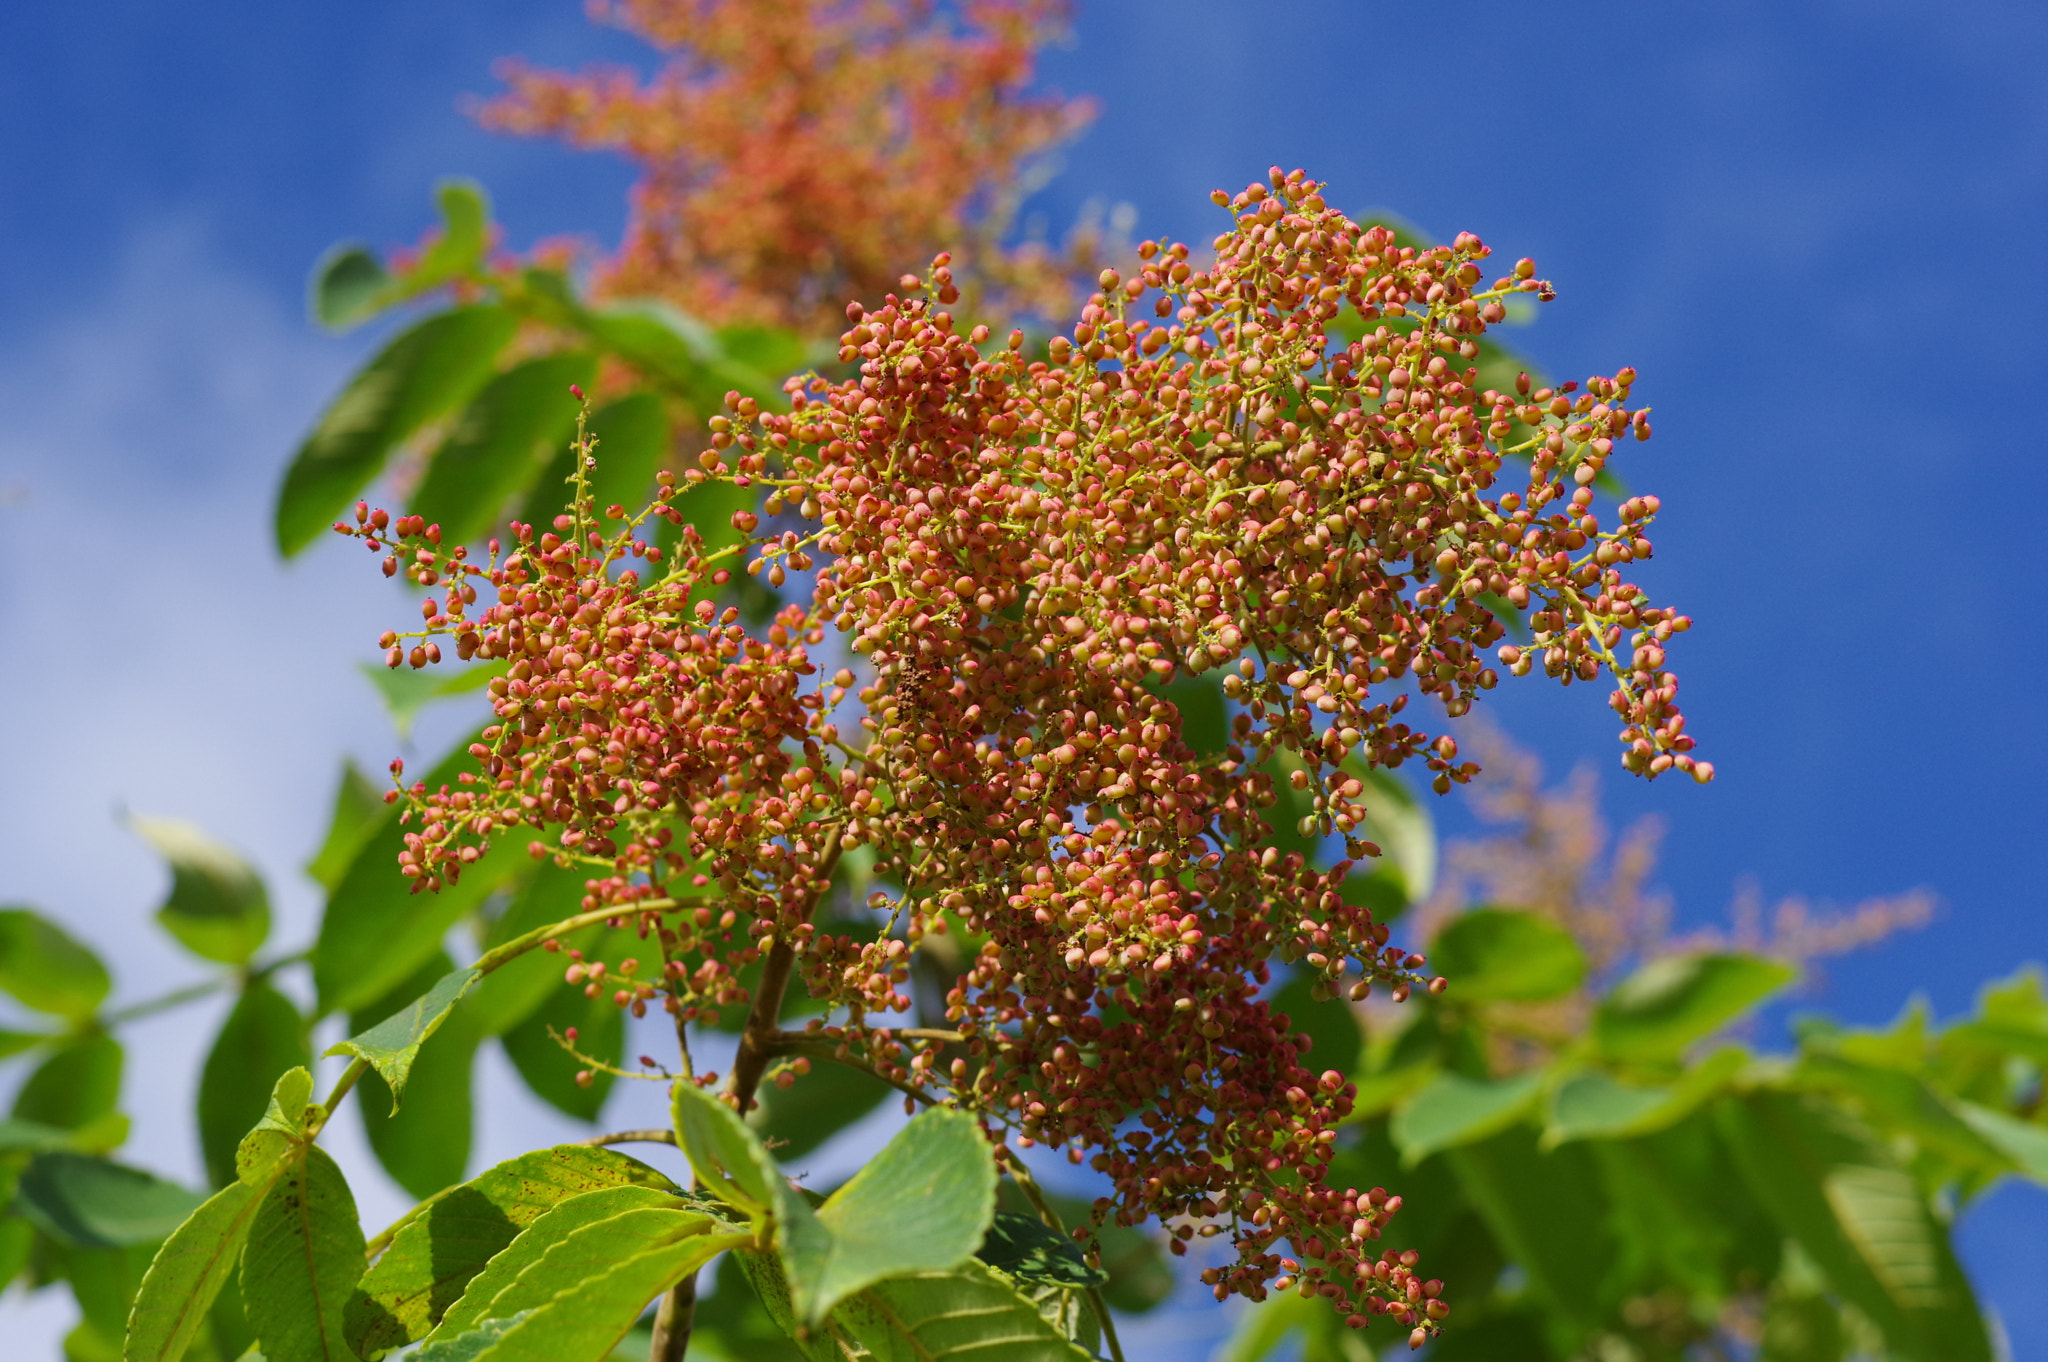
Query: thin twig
{"x": 632, "y": 1137}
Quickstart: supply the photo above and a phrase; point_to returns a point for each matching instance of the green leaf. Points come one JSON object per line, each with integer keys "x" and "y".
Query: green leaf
{"x": 93, "y": 1203}
{"x": 1400, "y": 825}
{"x": 428, "y": 369}
{"x": 187, "y": 1275}
{"x": 31, "y": 1137}
{"x": 794, "y": 1121}
{"x": 472, "y": 1345}
{"x": 1663, "y": 1008}
{"x": 79, "y": 1084}
{"x": 511, "y": 992}
{"x": 103, "y": 1281}
{"x": 406, "y": 692}
{"x": 17, "y": 1243}
{"x": 1026, "y": 1248}
{"x": 303, "y": 1256}
{"x": 279, "y": 1132}
{"x": 217, "y": 908}
{"x": 562, "y": 1244}
{"x": 1455, "y": 1110}
{"x": 436, "y": 1253}
{"x": 1801, "y": 1328}
{"x": 971, "y": 1312}
{"x": 376, "y": 930}
{"x": 465, "y": 235}
{"x": 922, "y": 1204}
{"x": 44, "y": 968}
{"x": 1900, "y": 1103}
{"x": 358, "y": 810}
{"x": 2023, "y": 1142}
{"x": 393, "y": 1044}
{"x": 1330, "y": 1025}
{"x": 349, "y": 285}
{"x": 589, "y": 1292}
{"x": 728, "y": 1161}
{"x": 14, "y": 1043}
{"x": 1595, "y": 1106}
{"x": 1861, "y": 1217}
{"x": 768, "y": 350}
{"x": 549, "y": 1070}
{"x": 503, "y": 438}
{"x": 425, "y": 1145}
{"x": 1547, "y": 1211}
{"x": 1507, "y": 955}
{"x": 632, "y": 437}
{"x": 263, "y": 1038}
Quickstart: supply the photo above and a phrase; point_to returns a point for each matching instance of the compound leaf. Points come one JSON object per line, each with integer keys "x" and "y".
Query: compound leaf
{"x": 436, "y": 1252}
{"x": 576, "y": 1239}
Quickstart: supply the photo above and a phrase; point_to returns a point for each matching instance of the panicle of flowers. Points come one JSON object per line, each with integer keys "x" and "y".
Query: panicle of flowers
{"x": 794, "y": 152}
{"x": 1203, "y": 475}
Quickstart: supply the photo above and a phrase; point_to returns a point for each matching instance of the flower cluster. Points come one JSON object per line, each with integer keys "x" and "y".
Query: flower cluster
{"x": 793, "y": 151}
{"x": 1204, "y": 476}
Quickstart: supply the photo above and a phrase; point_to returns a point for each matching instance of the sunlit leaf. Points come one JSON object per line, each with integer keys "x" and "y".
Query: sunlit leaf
{"x": 1666, "y": 1006}
{"x": 437, "y": 1252}
{"x": 1593, "y": 1105}
{"x": 922, "y": 1204}
{"x": 1455, "y": 1110}
{"x": 565, "y": 1243}
{"x": 728, "y": 1159}
{"x": 583, "y": 1303}
{"x": 393, "y": 1044}
{"x": 279, "y": 1132}
{"x": 1507, "y": 955}
{"x": 186, "y": 1278}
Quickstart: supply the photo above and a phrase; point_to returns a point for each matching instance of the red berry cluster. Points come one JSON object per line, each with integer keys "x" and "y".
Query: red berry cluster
{"x": 1025, "y": 550}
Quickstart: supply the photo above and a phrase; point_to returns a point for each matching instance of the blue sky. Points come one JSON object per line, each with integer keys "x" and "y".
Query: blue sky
{"x": 1810, "y": 226}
